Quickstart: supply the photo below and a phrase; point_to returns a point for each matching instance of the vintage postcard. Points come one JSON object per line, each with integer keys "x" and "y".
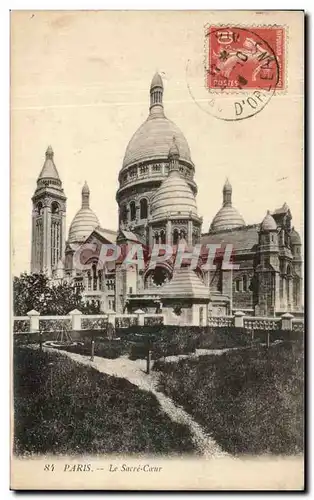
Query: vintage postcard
{"x": 157, "y": 250}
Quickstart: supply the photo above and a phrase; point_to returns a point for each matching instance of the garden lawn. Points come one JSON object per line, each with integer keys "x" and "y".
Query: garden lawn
{"x": 250, "y": 400}
{"x": 81, "y": 411}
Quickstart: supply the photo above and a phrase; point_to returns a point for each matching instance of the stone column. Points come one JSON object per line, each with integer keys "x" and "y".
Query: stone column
{"x": 195, "y": 315}
{"x": 190, "y": 232}
{"x": 286, "y": 321}
{"x": 76, "y": 319}
{"x": 239, "y": 319}
{"x": 34, "y": 320}
{"x": 63, "y": 234}
{"x": 140, "y": 317}
{"x": 150, "y": 237}
{"x": 103, "y": 302}
{"x": 168, "y": 233}
{"x": 112, "y": 318}
{"x": 290, "y": 285}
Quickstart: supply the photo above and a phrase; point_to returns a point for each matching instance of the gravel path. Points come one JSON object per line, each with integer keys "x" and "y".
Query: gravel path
{"x": 134, "y": 372}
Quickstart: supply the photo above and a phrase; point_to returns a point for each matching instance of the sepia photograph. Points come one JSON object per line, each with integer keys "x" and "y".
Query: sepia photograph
{"x": 157, "y": 250}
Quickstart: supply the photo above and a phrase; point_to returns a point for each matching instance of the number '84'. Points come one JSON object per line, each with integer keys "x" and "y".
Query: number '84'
{"x": 49, "y": 467}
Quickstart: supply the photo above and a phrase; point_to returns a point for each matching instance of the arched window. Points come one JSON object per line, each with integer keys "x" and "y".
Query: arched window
{"x": 182, "y": 234}
{"x": 94, "y": 276}
{"x": 54, "y": 207}
{"x": 143, "y": 208}
{"x": 162, "y": 237}
{"x": 245, "y": 283}
{"x": 124, "y": 213}
{"x": 132, "y": 210}
{"x": 237, "y": 283}
{"x": 100, "y": 280}
{"x": 175, "y": 237}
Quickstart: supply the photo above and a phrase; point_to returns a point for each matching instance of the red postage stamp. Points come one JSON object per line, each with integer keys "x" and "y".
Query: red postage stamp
{"x": 245, "y": 58}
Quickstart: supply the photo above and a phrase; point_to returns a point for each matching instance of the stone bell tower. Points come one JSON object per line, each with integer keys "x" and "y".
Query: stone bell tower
{"x": 48, "y": 219}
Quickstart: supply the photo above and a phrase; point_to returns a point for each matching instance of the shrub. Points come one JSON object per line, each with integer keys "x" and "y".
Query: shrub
{"x": 125, "y": 322}
{"x": 21, "y": 325}
{"x": 55, "y": 325}
{"x": 153, "y": 320}
{"x": 94, "y": 324}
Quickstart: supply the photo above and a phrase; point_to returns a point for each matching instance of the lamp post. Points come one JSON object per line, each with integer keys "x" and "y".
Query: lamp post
{"x": 149, "y": 345}
{"x": 93, "y": 350}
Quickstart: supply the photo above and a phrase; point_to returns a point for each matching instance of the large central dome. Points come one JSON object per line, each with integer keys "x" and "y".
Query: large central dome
{"x": 152, "y": 141}
{"x": 153, "y": 138}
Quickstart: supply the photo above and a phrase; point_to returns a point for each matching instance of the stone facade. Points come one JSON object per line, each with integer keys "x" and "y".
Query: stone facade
{"x": 156, "y": 201}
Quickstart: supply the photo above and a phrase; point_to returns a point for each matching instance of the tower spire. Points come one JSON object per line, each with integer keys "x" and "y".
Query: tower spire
{"x": 85, "y": 195}
{"x": 227, "y": 194}
{"x": 49, "y": 170}
{"x": 156, "y": 95}
{"x": 49, "y": 152}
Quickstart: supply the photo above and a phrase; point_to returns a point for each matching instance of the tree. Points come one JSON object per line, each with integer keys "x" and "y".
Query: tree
{"x": 37, "y": 291}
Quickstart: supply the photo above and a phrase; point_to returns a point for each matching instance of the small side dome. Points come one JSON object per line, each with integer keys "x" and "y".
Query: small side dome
{"x": 83, "y": 224}
{"x": 174, "y": 197}
{"x": 268, "y": 223}
{"x": 227, "y": 217}
{"x": 85, "y": 221}
{"x": 295, "y": 237}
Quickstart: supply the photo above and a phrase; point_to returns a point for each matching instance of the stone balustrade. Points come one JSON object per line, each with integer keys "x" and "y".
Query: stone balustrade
{"x": 221, "y": 321}
{"x": 239, "y": 320}
{"x": 75, "y": 320}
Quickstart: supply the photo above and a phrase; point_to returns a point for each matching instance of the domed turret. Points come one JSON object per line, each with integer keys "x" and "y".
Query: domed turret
{"x": 85, "y": 221}
{"x": 227, "y": 217}
{"x": 268, "y": 223}
{"x": 295, "y": 237}
{"x": 174, "y": 197}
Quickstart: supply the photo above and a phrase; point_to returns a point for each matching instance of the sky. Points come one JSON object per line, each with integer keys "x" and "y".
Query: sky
{"x": 80, "y": 82}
